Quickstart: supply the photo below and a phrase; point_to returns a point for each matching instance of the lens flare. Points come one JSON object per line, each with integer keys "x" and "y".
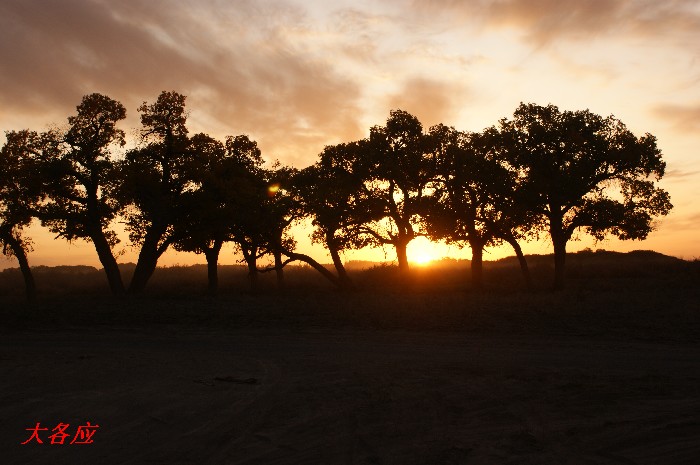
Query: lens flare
{"x": 272, "y": 189}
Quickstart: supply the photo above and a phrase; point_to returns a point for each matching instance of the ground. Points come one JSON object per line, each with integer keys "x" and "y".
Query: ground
{"x": 259, "y": 380}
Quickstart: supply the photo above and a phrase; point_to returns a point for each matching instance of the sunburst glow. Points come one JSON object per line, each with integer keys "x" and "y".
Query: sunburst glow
{"x": 422, "y": 252}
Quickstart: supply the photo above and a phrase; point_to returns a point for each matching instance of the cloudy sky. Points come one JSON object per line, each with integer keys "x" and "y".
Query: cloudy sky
{"x": 298, "y": 75}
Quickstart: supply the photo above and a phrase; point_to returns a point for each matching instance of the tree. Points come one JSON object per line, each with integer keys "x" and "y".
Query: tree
{"x": 332, "y": 193}
{"x": 201, "y": 225}
{"x": 398, "y": 170}
{"x": 79, "y": 179}
{"x": 20, "y": 195}
{"x": 463, "y": 207}
{"x": 244, "y": 163}
{"x": 284, "y": 207}
{"x": 154, "y": 177}
{"x": 224, "y": 187}
{"x": 281, "y": 210}
{"x": 584, "y": 172}
{"x": 475, "y": 197}
{"x": 513, "y": 221}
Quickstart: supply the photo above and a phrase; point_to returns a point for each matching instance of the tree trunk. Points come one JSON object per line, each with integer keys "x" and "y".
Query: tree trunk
{"x": 401, "y": 255}
{"x": 345, "y": 281}
{"x": 523, "y": 262}
{"x": 251, "y": 261}
{"x": 146, "y": 264}
{"x": 315, "y": 265}
{"x": 477, "y": 265}
{"x": 279, "y": 269}
{"x": 21, "y": 256}
{"x": 559, "y": 261}
{"x": 109, "y": 263}
{"x": 212, "y": 256}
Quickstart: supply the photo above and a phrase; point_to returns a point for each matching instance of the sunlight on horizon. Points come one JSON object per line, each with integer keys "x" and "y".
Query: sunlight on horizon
{"x": 421, "y": 251}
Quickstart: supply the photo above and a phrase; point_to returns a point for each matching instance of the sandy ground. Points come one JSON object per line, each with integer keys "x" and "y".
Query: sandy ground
{"x": 173, "y": 395}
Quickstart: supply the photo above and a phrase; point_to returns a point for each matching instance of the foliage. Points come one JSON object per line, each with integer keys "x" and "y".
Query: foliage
{"x": 584, "y": 171}
{"x": 542, "y": 170}
{"x": 398, "y": 168}
{"x": 78, "y": 172}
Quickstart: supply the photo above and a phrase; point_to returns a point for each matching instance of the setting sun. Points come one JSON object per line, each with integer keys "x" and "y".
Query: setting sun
{"x": 421, "y": 251}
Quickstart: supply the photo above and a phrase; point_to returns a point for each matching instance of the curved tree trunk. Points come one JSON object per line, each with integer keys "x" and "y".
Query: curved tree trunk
{"x": 109, "y": 263}
{"x": 331, "y": 244}
{"x": 21, "y": 255}
{"x": 145, "y": 266}
{"x": 521, "y": 259}
{"x": 345, "y": 281}
{"x": 99, "y": 240}
{"x": 315, "y": 265}
{"x": 147, "y": 262}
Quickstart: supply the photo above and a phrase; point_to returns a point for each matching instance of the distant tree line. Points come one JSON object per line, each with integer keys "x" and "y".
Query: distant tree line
{"x": 542, "y": 171}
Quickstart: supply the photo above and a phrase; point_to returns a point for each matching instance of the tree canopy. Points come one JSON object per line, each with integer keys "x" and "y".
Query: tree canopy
{"x": 542, "y": 170}
{"x": 585, "y": 172}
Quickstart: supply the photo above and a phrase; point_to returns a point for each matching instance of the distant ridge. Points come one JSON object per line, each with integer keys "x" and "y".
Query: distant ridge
{"x": 359, "y": 265}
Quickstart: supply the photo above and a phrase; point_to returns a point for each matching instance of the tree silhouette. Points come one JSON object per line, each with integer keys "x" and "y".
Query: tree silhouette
{"x": 247, "y": 194}
{"x": 281, "y": 210}
{"x": 20, "y": 195}
{"x": 333, "y": 195}
{"x": 398, "y": 170}
{"x": 154, "y": 177}
{"x": 228, "y": 185}
{"x": 201, "y": 225}
{"x": 284, "y": 207}
{"x": 463, "y": 207}
{"x": 79, "y": 179}
{"x": 542, "y": 170}
{"x": 583, "y": 171}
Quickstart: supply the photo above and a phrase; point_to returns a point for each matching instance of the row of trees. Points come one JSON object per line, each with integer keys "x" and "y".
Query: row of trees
{"x": 543, "y": 171}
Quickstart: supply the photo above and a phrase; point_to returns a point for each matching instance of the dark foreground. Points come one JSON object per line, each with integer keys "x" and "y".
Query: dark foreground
{"x": 607, "y": 372}
{"x": 176, "y": 395}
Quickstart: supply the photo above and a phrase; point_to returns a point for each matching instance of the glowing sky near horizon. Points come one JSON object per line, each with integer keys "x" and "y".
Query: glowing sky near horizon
{"x": 297, "y": 75}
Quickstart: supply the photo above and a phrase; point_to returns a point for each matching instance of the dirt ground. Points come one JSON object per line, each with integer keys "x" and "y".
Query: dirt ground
{"x": 170, "y": 394}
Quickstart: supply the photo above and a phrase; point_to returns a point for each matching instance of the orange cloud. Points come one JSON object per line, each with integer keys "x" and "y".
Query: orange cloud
{"x": 431, "y": 101}
{"x": 233, "y": 60}
{"x": 684, "y": 118}
{"x": 544, "y": 22}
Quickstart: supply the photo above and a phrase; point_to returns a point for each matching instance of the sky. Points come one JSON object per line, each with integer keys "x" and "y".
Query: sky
{"x": 301, "y": 74}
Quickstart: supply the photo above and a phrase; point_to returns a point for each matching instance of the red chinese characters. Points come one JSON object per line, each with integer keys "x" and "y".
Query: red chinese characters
{"x": 83, "y": 435}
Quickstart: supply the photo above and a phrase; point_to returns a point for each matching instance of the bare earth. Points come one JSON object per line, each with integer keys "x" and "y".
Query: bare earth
{"x": 175, "y": 395}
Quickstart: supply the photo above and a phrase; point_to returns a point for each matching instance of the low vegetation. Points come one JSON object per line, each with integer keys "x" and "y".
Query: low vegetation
{"x": 639, "y": 294}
